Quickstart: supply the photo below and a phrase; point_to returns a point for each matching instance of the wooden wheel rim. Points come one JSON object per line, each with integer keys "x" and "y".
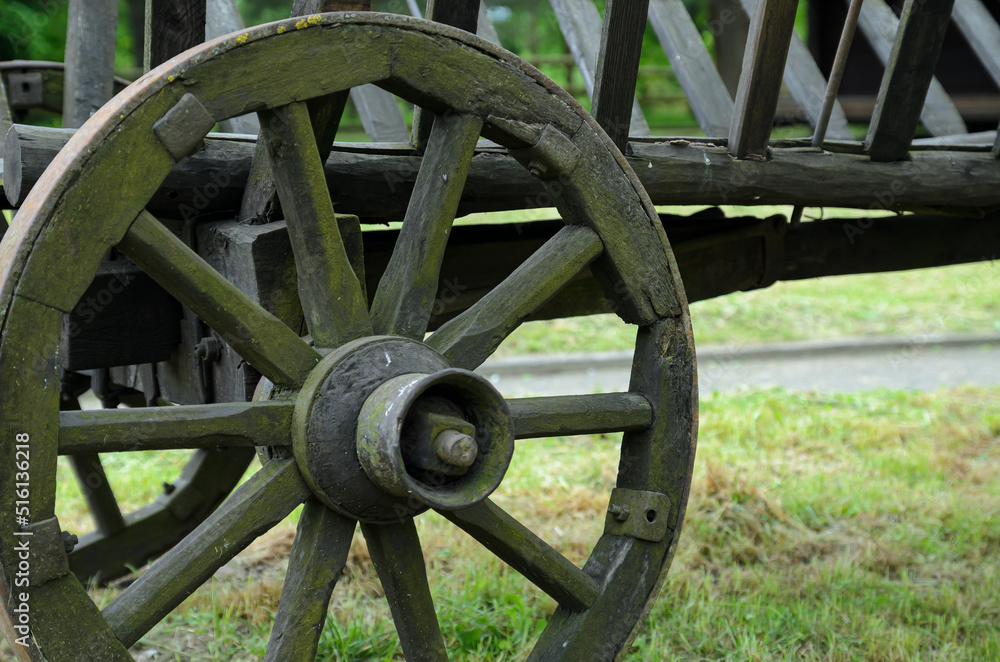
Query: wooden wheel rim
{"x": 50, "y": 256}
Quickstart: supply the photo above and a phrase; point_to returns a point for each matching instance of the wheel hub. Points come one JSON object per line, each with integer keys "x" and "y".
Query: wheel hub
{"x": 385, "y": 428}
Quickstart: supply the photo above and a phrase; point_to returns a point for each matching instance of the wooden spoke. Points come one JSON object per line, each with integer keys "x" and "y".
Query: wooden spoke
{"x": 406, "y": 293}
{"x": 97, "y": 491}
{"x": 318, "y": 557}
{"x": 471, "y": 337}
{"x": 579, "y": 414}
{"x": 982, "y": 32}
{"x": 160, "y": 428}
{"x": 380, "y": 115}
{"x": 771, "y": 28}
{"x": 618, "y": 67}
{"x": 908, "y": 75}
{"x": 253, "y": 508}
{"x": 399, "y": 561}
{"x": 531, "y": 556}
{"x": 256, "y": 335}
{"x": 334, "y": 307}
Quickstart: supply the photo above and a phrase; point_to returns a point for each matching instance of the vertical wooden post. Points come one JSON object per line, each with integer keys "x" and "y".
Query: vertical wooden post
{"x": 462, "y": 14}
{"x": 760, "y": 81}
{"x": 922, "y": 27}
{"x": 730, "y": 28}
{"x": 90, "y": 58}
{"x": 172, "y": 27}
{"x": 618, "y": 66}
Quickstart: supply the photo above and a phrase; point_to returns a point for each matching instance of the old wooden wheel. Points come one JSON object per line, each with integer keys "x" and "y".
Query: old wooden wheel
{"x": 366, "y": 419}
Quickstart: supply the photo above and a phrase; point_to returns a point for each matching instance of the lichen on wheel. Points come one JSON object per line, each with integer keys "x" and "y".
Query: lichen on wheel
{"x": 368, "y": 420}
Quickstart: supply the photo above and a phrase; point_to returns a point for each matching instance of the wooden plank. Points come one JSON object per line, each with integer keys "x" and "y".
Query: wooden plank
{"x": 982, "y": 32}
{"x": 331, "y": 297}
{"x": 692, "y": 64}
{"x": 399, "y": 561}
{"x": 581, "y": 25}
{"x": 254, "y": 333}
{"x": 471, "y": 338}
{"x": 806, "y": 83}
{"x": 907, "y": 78}
{"x": 524, "y": 551}
{"x": 380, "y": 114}
{"x": 254, "y": 508}
{"x": 90, "y": 58}
{"x": 222, "y": 17}
{"x": 317, "y": 559}
{"x": 172, "y": 27}
{"x": 880, "y": 26}
{"x": 567, "y": 415}
{"x": 405, "y": 297}
{"x": 771, "y": 28}
{"x": 618, "y": 67}
{"x": 485, "y": 27}
{"x": 160, "y": 428}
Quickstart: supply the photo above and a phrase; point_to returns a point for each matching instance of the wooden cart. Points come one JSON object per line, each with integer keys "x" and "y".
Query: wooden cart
{"x": 243, "y": 277}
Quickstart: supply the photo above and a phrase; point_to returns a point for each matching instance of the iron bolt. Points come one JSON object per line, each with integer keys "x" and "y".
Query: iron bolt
{"x": 537, "y": 169}
{"x": 618, "y": 511}
{"x": 455, "y": 448}
{"x": 168, "y": 488}
{"x": 69, "y": 541}
{"x": 208, "y": 349}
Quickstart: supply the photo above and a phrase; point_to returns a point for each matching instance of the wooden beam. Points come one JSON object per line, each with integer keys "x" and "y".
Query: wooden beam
{"x": 907, "y": 78}
{"x": 673, "y": 172}
{"x": 692, "y": 64}
{"x": 771, "y": 29}
{"x": 880, "y": 26}
{"x": 582, "y": 29}
{"x": 90, "y": 58}
{"x": 222, "y": 17}
{"x": 980, "y": 29}
{"x": 172, "y": 27}
{"x": 618, "y": 66}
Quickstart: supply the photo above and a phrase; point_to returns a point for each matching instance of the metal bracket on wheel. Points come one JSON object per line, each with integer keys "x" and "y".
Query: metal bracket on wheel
{"x": 47, "y": 548}
{"x": 639, "y": 514}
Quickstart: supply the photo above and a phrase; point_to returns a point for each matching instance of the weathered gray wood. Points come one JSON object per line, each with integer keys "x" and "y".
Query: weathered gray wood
{"x": 485, "y": 27}
{"x": 982, "y": 32}
{"x": 6, "y": 118}
{"x": 317, "y": 559}
{"x": 469, "y": 339}
{"x": 996, "y": 145}
{"x": 335, "y": 310}
{"x": 730, "y": 29}
{"x": 222, "y": 17}
{"x": 907, "y": 78}
{"x": 618, "y": 67}
{"x": 255, "y": 334}
{"x": 977, "y": 139}
{"x": 567, "y": 415}
{"x": 159, "y": 428}
{"x": 172, "y": 26}
{"x": 399, "y": 561}
{"x": 806, "y": 83}
{"x": 880, "y": 26}
{"x": 90, "y": 58}
{"x": 692, "y": 64}
{"x": 256, "y": 506}
{"x": 405, "y": 296}
{"x": 380, "y": 114}
{"x": 524, "y": 551}
{"x": 771, "y": 27}
{"x": 581, "y": 27}
{"x": 672, "y": 174}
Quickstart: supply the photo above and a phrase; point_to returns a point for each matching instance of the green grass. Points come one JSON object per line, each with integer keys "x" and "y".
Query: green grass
{"x": 820, "y": 527}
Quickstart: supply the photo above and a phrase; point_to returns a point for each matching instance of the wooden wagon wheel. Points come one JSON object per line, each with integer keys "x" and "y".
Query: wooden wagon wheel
{"x": 370, "y": 421}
